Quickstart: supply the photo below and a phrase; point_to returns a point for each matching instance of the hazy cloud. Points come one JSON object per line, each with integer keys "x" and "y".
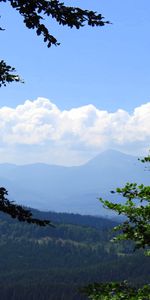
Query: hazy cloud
{"x": 69, "y": 136}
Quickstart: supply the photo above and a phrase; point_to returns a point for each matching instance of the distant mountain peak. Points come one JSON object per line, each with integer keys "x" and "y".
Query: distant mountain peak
{"x": 110, "y": 155}
{"x": 115, "y": 152}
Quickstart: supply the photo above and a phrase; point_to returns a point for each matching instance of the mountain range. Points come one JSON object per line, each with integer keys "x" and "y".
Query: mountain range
{"x": 72, "y": 189}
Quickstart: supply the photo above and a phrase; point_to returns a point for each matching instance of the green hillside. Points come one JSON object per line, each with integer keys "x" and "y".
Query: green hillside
{"x": 53, "y": 263}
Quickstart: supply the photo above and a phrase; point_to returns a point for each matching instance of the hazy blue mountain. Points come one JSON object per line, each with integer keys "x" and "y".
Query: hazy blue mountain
{"x": 72, "y": 189}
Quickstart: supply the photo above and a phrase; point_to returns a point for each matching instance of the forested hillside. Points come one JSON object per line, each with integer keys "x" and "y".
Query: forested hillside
{"x": 54, "y": 263}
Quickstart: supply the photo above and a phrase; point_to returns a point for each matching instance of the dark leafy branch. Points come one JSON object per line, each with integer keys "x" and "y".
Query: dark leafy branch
{"x": 146, "y": 159}
{"x": 1, "y": 29}
{"x": 34, "y": 12}
{"x": 7, "y": 74}
{"x": 19, "y": 212}
{"x": 136, "y": 209}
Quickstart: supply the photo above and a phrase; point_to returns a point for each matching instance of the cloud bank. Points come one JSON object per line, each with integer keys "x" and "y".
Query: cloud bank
{"x": 39, "y": 131}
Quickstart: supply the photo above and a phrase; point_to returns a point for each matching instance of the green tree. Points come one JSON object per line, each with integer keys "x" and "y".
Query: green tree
{"x": 136, "y": 228}
{"x": 33, "y": 13}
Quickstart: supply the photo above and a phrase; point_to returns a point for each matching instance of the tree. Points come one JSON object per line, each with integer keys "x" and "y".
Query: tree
{"x": 136, "y": 228}
{"x": 33, "y": 12}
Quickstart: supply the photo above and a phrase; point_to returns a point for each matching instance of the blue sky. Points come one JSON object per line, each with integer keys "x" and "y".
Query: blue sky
{"x": 108, "y": 67}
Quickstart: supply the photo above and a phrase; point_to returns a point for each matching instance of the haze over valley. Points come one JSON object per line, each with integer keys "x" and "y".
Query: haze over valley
{"x": 72, "y": 189}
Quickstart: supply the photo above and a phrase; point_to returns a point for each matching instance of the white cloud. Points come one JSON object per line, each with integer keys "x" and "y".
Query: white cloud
{"x": 39, "y": 130}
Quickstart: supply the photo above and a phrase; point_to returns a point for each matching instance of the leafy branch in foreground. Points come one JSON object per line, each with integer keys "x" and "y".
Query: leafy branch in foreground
{"x": 116, "y": 291}
{"x": 19, "y": 212}
{"x": 137, "y": 211}
{"x": 136, "y": 228}
{"x": 146, "y": 159}
{"x": 7, "y": 74}
{"x": 33, "y": 13}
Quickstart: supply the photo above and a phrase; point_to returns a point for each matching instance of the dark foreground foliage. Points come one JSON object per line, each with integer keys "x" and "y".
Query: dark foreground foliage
{"x": 18, "y": 211}
{"x": 34, "y": 13}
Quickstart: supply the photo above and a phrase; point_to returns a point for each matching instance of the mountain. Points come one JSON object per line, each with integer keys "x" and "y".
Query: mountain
{"x": 72, "y": 189}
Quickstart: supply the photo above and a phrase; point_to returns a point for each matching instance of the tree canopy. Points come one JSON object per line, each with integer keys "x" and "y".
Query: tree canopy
{"x": 33, "y": 13}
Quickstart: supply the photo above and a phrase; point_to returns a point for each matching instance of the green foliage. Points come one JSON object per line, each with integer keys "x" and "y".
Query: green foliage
{"x": 117, "y": 291}
{"x": 136, "y": 228}
{"x": 146, "y": 158}
{"x": 17, "y": 211}
{"x": 136, "y": 209}
{"x": 33, "y": 13}
{"x": 7, "y": 74}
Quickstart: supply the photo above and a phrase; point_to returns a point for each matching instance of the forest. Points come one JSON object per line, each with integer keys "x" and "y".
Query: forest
{"x": 56, "y": 263}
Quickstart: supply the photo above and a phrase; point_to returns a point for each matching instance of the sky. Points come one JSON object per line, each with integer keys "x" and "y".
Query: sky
{"x": 87, "y": 95}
